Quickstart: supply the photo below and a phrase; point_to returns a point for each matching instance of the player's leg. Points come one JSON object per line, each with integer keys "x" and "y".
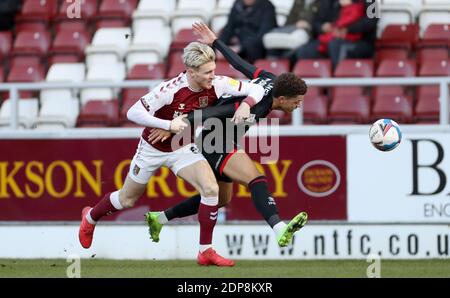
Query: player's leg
{"x": 156, "y": 220}
{"x": 242, "y": 169}
{"x": 206, "y": 185}
{"x": 133, "y": 188}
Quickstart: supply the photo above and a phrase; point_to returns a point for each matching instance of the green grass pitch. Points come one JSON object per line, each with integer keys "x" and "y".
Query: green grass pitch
{"x": 243, "y": 269}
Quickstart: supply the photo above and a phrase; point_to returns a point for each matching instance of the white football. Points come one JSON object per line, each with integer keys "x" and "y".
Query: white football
{"x": 385, "y": 134}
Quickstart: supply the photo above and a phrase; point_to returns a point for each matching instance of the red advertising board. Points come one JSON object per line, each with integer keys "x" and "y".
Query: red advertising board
{"x": 52, "y": 180}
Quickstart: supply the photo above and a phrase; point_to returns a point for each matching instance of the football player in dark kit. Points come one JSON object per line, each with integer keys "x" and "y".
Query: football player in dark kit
{"x": 230, "y": 163}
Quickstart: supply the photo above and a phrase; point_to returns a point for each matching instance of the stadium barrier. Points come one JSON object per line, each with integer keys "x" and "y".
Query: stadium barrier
{"x": 297, "y": 118}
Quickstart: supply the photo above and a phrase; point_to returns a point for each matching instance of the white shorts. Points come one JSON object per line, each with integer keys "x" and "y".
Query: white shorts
{"x": 148, "y": 159}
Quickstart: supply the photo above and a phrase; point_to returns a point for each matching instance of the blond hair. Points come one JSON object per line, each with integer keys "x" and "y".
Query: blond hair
{"x": 196, "y": 54}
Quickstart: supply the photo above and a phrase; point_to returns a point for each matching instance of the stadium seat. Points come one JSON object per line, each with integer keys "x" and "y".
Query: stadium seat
{"x": 387, "y": 53}
{"x": 63, "y": 58}
{"x": 129, "y": 98}
{"x": 190, "y": 11}
{"x": 396, "y": 68}
{"x": 436, "y": 35}
{"x": 395, "y": 12}
{"x": 175, "y": 64}
{"x": 433, "y": 14}
{"x": 354, "y": 68}
{"x": 109, "y": 45}
{"x": 182, "y": 39}
{"x": 219, "y": 16}
{"x": 2, "y": 76}
{"x": 116, "y": 10}
{"x": 313, "y": 68}
{"x": 63, "y": 72}
{"x": 398, "y": 108}
{"x": 22, "y": 73}
{"x": 28, "y": 111}
{"x": 149, "y": 48}
{"x": 349, "y": 109}
{"x": 147, "y": 72}
{"x": 34, "y": 61}
{"x": 5, "y": 44}
{"x": 102, "y": 73}
{"x": 274, "y": 66}
{"x": 153, "y": 14}
{"x": 58, "y": 113}
{"x": 88, "y": 9}
{"x": 99, "y": 113}
{"x": 71, "y": 42}
{"x": 315, "y": 109}
{"x": 223, "y": 68}
{"x": 34, "y": 43}
{"x": 427, "y": 106}
{"x": 424, "y": 54}
{"x": 399, "y": 36}
{"x": 435, "y": 67}
{"x": 42, "y": 11}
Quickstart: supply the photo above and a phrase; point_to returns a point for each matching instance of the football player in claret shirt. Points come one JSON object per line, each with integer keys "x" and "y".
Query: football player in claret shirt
{"x": 165, "y": 107}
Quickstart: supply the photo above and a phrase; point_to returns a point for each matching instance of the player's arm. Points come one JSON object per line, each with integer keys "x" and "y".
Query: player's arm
{"x": 220, "y": 111}
{"x": 209, "y": 37}
{"x": 142, "y": 113}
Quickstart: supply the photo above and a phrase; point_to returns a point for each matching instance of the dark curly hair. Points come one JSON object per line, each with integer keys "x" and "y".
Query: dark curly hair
{"x": 289, "y": 85}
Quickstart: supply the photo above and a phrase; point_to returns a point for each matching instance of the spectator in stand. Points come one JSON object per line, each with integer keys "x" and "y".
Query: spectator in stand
{"x": 8, "y": 9}
{"x": 341, "y": 39}
{"x": 295, "y": 32}
{"x": 247, "y": 23}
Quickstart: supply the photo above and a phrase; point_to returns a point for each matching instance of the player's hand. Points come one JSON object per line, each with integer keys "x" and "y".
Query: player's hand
{"x": 242, "y": 113}
{"x": 207, "y": 36}
{"x": 158, "y": 134}
{"x": 177, "y": 125}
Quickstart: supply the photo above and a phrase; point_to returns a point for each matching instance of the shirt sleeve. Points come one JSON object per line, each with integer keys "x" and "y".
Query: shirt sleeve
{"x": 225, "y": 85}
{"x": 143, "y": 110}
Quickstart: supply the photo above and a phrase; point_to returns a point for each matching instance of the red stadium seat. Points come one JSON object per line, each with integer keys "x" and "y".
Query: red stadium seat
{"x": 399, "y": 36}
{"x": 42, "y": 11}
{"x": 276, "y": 67}
{"x": 398, "y": 108}
{"x": 315, "y": 109}
{"x": 70, "y": 42}
{"x": 175, "y": 64}
{"x": 313, "y": 68}
{"x": 129, "y": 98}
{"x": 23, "y": 73}
{"x": 436, "y": 35}
{"x": 386, "y": 53}
{"x": 5, "y": 43}
{"x": 427, "y": 106}
{"x": 432, "y": 53}
{"x": 2, "y": 76}
{"x": 349, "y": 109}
{"x": 396, "y": 68}
{"x": 32, "y": 43}
{"x": 88, "y": 10}
{"x": 435, "y": 67}
{"x": 99, "y": 113}
{"x": 283, "y": 118}
{"x": 63, "y": 58}
{"x": 182, "y": 39}
{"x": 114, "y": 23}
{"x": 147, "y": 72}
{"x": 34, "y": 61}
{"x": 354, "y": 68}
{"x": 118, "y": 10}
{"x": 223, "y": 68}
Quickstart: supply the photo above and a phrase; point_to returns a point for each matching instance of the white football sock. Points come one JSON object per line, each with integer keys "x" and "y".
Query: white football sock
{"x": 89, "y": 218}
{"x": 278, "y": 228}
{"x": 204, "y": 247}
{"x": 162, "y": 218}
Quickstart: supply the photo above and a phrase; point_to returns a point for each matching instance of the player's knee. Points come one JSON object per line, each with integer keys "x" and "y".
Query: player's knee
{"x": 209, "y": 190}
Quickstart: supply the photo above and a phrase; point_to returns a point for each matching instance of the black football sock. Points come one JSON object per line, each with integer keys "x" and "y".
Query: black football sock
{"x": 185, "y": 208}
{"x": 263, "y": 200}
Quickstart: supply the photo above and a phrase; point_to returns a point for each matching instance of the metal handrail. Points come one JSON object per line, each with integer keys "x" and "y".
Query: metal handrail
{"x": 297, "y": 118}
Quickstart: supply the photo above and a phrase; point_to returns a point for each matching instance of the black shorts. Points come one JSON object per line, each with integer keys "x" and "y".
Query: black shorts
{"x": 217, "y": 161}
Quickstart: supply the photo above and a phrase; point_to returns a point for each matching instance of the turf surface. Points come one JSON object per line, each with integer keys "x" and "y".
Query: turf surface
{"x": 243, "y": 269}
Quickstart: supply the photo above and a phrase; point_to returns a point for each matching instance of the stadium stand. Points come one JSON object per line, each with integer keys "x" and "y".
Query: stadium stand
{"x": 112, "y": 39}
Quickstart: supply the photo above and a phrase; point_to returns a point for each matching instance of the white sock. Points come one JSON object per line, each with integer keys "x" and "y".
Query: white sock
{"x": 204, "y": 247}
{"x": 114, "y": 198}
{"x": 89, "y": 218}
{"x": 278, "y": 228}
{"x": 162, "y": 218}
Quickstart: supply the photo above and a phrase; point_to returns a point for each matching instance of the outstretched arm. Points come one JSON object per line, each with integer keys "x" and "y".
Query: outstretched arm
{"x": 207, "y": 36}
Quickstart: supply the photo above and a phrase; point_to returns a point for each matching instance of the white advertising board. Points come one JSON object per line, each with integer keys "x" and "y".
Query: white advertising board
{"x": 409, "y": 184}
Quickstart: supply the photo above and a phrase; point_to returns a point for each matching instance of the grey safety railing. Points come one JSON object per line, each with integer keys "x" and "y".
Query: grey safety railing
{"x": 297, "y": 117}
